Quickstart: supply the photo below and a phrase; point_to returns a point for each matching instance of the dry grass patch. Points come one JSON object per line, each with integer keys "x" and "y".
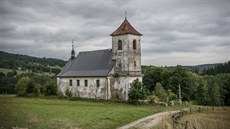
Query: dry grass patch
{"x": 211, "y": 119}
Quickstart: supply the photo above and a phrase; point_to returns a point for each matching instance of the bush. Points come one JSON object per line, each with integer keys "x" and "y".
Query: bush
{"x": 37, "y": 90}
{"x": 30, "y": 87}
{"x": 51, "y": 88}
{"x": 137, "y": 91}
{"x": 21, "y": 86}
{"x": 68, "y": 93}
{"x": 152, "y": 98}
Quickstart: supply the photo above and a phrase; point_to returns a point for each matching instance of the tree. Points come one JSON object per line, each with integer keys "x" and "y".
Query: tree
{"x": 137, "y": 91}
{"x": 21, "y": 86}
{"x": 214, "y": 95}
{"x": 201, "y": 94}
{"x": 160, "y": 92}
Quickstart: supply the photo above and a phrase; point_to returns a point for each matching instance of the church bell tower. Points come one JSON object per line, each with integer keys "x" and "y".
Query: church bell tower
{"x": 126, "y": 48}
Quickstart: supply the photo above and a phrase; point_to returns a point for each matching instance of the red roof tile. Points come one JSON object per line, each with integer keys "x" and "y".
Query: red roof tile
{"x": 125, "y": 28}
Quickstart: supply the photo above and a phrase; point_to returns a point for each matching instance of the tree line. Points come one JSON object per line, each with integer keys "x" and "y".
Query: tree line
{"x": 220, "y": 68}
{"x": 163, "y": 83}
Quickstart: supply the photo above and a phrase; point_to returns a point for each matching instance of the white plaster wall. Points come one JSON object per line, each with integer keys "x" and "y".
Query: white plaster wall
{"x": 91, "y": 91}
{"x": 127, "y": 55}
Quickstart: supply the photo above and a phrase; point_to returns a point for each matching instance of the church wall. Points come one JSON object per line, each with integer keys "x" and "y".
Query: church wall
{"x": 82, "y": 91}
{"x": 119, "y": 86}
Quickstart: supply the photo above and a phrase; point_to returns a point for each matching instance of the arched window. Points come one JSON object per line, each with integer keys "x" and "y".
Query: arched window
{"x": 134, "y": 44}
{"x": 119, "y": 45}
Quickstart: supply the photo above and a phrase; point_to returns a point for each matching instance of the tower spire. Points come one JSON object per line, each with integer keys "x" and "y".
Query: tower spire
{"x": 125, "y": 14}
{"x": 72, "y": 51}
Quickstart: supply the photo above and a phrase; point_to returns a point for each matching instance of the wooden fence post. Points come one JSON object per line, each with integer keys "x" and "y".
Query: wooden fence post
{"x": 186, "y": 125}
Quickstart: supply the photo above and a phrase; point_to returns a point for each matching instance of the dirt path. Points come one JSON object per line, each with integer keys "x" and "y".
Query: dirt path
{"x": 149, "y": 121}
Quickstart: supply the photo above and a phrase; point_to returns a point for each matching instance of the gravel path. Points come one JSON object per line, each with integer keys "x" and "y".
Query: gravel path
{"x": 149, "y": 121}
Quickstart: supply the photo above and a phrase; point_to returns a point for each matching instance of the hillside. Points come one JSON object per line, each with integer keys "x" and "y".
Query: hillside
{"x": 29, "y": 63}
{"x": 200, "y": 68}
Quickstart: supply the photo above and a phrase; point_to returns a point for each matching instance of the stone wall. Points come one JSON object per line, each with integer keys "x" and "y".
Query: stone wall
{"x": 82, "y": 91}
{"x": 125, "y": 58}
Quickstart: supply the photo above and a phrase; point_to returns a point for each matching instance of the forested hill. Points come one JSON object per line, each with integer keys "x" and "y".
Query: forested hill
{"x": 219, "y": 68}
{"x": 34, "y": 64}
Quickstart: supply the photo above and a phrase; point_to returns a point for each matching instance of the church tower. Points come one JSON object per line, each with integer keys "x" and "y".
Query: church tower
{"x": 126, "y": 48}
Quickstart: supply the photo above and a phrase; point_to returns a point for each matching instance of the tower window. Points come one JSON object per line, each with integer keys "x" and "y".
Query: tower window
{"x": 134, "y": 44}
{"x": 86, "y": 83}
{"x": 135, "y": 64}
{"x": 119, "y": 45}
{"x": 78, "y": 82}
{"x": 70, "y": 82}
{"x": 98, "y": 83}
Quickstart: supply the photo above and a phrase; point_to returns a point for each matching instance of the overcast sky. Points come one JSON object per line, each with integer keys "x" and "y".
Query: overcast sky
{"x": 184, "y": 32}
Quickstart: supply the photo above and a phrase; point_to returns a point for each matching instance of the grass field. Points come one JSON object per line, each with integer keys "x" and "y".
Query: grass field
{"x": 219, "y": 118}
{"x": 55, "y": 113}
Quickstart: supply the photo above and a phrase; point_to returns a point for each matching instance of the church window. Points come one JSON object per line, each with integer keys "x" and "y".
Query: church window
{"x": 134, "y": 44}
{"x": 135, "y": 64}
{"x": 70, "y": 82}
{"x": 119, "y": 45}
{"x": 98, "y": 83}
{"x": 86, "y": 83}
{"x": 78, "y": 82}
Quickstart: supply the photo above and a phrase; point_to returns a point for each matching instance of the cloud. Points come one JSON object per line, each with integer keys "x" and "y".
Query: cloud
{"x": 174, "y": 32}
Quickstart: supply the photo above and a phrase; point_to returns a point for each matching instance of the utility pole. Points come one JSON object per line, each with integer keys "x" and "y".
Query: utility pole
{"x": 180, "y": 98}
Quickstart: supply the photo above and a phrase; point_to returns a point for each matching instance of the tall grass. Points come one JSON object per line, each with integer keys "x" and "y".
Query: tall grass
{"x": 219, "y": 118}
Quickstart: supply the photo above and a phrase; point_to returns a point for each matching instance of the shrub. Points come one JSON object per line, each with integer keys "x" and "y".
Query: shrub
{"x": 51, "y": 88}
{"x": 152, "y": 98}
{"x": 37, "y": 90}
{"x": 21, "y": 86}
{"x": 30, "y": 87}
{"x": 68, "y": 93}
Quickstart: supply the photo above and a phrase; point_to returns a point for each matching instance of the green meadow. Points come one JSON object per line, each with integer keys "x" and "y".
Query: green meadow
{"x": 41, "y": 113}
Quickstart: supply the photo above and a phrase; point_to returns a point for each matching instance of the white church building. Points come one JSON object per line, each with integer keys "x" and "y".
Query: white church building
{"x": 108, "y": 73}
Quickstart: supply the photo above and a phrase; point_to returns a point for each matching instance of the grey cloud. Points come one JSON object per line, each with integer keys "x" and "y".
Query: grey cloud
{"x": 46, "y": 28}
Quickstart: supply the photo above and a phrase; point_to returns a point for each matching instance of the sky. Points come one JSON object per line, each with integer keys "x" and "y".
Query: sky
{"x": 175, "y": 32}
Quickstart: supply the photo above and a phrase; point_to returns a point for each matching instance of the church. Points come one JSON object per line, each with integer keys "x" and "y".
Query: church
{"x": 107, "y": 73}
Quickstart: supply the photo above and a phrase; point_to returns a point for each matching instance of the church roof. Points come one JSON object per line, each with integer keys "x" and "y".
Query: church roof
{"x": 89, "y": 64}
{"x": 125, "y": 28}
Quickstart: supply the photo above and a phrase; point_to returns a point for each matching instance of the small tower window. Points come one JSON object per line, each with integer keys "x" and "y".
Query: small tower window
{"x": 119, "y": 45}
{"x": 134, "y": 44}
{"x": 78, "y": 82}
{"x": 135, "y": 64}
{"x": 70, "y": 82}
{"x": 98, "y": 83}
{"x": 86, "y": 83}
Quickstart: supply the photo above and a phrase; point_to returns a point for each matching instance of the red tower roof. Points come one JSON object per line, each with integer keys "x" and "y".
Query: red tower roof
{"x": 125, "y": 28}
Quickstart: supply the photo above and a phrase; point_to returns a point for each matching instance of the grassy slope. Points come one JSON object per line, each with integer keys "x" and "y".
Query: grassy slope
{"x": 209, "y": 119}
{"x": 54, "y": 113}
{"x": 217, "y": 119}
